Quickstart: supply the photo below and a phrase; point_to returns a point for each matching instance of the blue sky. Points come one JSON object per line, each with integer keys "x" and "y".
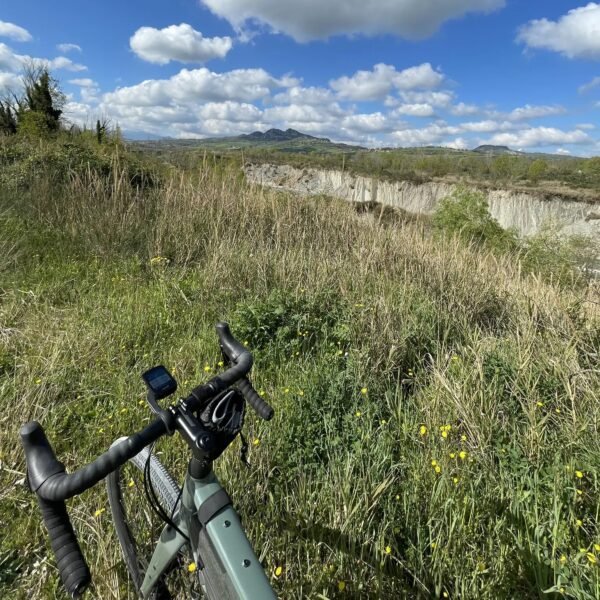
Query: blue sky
{"x": 382, "y": 73}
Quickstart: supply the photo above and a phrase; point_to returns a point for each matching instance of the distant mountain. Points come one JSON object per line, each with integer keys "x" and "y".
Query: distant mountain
{"x": 278, "y": 135}
{"x": 496, "y": 150}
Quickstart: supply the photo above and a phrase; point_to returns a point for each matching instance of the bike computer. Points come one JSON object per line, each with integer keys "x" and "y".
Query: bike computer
{"x": 159, "y": 382}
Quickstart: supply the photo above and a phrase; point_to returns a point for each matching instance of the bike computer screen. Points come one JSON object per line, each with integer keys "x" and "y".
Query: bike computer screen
{"x": 159, "y": 381}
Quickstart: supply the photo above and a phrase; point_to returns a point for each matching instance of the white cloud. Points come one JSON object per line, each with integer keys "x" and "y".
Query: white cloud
{"x": 314, "y": 96}
{"x": 487, "y": 126}
{"x": 540, "y": 136}
{"x": 177, "y": 42}
{"x": 415, "y": 110}
{"x": 575, "y": 35}
{"x": 64, "y": 48}
{"x": 14, "y": 32}
{"x": 464, "y": 110}
{"x": 64, "y": 63}
{"x": 9, "y": 82}
{"x": 563, "y": 151}
{"x": 83, "y": 82}
{"x": 368, "y": 123}
{"x": 9, "y": 61}
{"x": 197, "y": 85}
{"x": 590, "y": 85}
{"x": 306, "y": 20}
{"x": 432, "y": 134}
{"x": 585, "y": 126}
{"x": 378, "y": 83}
{"x": 230, "y": 111}
{"x": 534, "y": 112}
{"x": 438, "y": 99}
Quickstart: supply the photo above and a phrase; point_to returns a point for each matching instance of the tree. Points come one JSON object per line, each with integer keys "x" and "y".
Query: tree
{"x": 8, "y": 121}
{"x": 38, "y": 96}
{"x": 537, "y": 169}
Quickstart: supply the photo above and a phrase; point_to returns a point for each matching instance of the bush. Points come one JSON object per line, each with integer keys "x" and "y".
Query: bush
{"x": 563, "y": 259}
{"x": 465, "y": 214}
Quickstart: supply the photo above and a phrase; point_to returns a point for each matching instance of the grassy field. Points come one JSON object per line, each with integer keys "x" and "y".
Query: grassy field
{"x": 437, "y": 417}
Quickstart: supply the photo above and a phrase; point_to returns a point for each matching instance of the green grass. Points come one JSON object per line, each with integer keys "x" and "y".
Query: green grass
{"x": 341, "y": 487}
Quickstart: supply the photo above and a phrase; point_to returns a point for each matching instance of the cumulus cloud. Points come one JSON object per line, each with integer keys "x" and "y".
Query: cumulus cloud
{"x": 369, "y": 123}
{"x": 432, "y": 134}
{"x": 306, "y": 20}
{"x": 177, "y": 42}
{"x": 64, "y": 48}
{"x": 11, "y": 61}
{"x": 575, "y": 35}
{"x": 540, "y": 136}
{"x": 487, "y": 126}
{"x": 533, "y": 112}
{"x": 438, "y": 99}
{"x": 314, "y": 96}
{"x": 378, "y": 83}
{"x": 9, "y": 82}
{"x": 62, "y": 62}
{"x": 14, "y": 32}
{"x": 416, "y": 110}
{"x": 197, "y": 85}
{"x": 463, "y": 110}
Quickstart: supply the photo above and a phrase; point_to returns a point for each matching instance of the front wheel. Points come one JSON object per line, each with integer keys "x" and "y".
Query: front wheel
{"x": 138, "y": 527}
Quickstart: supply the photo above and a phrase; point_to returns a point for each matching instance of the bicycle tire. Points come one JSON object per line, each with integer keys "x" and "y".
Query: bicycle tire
{"x": 213, "y": 580}
{"x": 167, "y": 492}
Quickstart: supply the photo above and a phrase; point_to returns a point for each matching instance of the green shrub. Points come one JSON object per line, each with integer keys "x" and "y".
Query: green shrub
{"x": 563, "y": 259}
{"x": 465, "y": 214}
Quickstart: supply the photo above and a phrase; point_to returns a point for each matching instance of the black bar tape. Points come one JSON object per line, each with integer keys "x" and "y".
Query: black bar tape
{"x": 264, "y": 410}
{"x": 53, "y": 484}
{"x": 72, "y": 567}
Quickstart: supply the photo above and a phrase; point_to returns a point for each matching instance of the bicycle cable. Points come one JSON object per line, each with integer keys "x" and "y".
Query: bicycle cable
{"x": 153, "y": 500}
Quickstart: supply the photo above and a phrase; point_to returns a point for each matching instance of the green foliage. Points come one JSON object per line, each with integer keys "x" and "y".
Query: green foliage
{"x": 537, "y": 169}
{"x": 8, "y": 122}
{"x": 39, "y": 100}
{"x": 465, "y": 213}
{"x": 563, "y": 259}
{"x": 34, "y": 124}
{"x": 293, "y": 323}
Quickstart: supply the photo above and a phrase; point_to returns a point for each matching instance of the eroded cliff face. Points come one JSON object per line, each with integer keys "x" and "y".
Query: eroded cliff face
{"x": 524, "y": 212}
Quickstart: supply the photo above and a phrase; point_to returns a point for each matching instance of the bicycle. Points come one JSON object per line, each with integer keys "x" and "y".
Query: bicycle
{"x": 199, "y": 517}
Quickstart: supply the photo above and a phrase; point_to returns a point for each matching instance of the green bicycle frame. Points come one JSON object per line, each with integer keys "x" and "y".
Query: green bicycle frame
{"x": 216, "y": 539}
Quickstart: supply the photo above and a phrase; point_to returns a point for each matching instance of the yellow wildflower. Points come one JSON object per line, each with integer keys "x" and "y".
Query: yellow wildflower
{"x": 579, "y": 523}
{"x": 220, "y": 363}
{"x": 191, "y": 567}
{"x": 388, "y": 550}
{"x": 364, "y": 391}
{"x": 463, "y": 438}
{"x": 38, "y": 381}
{"x": 278, "y": 571}
{"x": 579, "y": 492}
{"x": 463, "y": 455}
{"x": 539, "y": 403}
{"x": 255, "y": 442}
{"x": 434, "y": 463}
{"x": 300, "y": 392}
{"x": 207, "y": 369}
{"x": 591, "y": 557}
{"x": 358, "y": 413}
{"x": 433, "y": 545}
{"x": 341, "y": 586}
{"x": 452, "y": 454}
{"x": 455, "y": 480}
{"x": 423, "y": 430}
{"x": 99, "y": 512}
{"x": 597, "y": 547}
{"x": 444, "y": 434}
{"x": 131, "y": 483}
{"x": 563, "y": 559}
{"x": 438, "y": 469}
{"x": 579, "y": 474}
